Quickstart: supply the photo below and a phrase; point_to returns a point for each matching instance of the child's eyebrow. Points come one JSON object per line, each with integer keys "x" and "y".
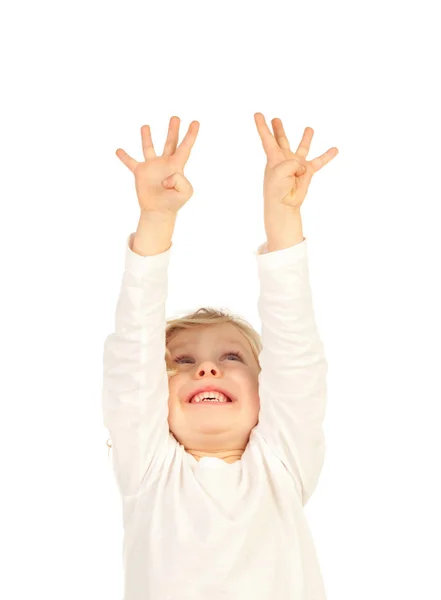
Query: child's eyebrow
{"x": 187, "y": 345}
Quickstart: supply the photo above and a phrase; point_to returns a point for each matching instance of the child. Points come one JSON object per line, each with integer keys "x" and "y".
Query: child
{"x": 213, "y": 490}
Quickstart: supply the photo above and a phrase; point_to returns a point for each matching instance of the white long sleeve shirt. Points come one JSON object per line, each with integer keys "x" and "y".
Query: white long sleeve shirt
{"x": 212, "y": 530}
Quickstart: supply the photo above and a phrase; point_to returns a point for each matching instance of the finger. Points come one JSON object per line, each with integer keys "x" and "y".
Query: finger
{"x": 130, "y": 162}
{"x": 289, "y": 168}
{"x": 323, "y": 160}
{"x": 178, "y": 182}
{"x": 184, "y": 149}
{"x": 147, "y": 144}
{"x": 279, "y": 134}
{"x": 305, "y": 143}
{"x": 172, "y": 137}
{"x": 268, "y": 141}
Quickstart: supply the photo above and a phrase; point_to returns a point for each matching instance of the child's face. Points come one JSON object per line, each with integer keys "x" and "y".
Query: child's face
{"x": 213, "y": 429}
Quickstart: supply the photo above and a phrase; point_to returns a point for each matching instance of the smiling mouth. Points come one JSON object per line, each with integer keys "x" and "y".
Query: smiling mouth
{"x": 211, "y": 402}
{"x": 214, "y": 403}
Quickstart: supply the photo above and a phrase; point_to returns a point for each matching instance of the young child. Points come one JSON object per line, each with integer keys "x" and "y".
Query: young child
{"x": 213, "y": 490}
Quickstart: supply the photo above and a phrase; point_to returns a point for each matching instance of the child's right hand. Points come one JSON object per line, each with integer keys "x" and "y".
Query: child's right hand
{"x": 155, "y": 196}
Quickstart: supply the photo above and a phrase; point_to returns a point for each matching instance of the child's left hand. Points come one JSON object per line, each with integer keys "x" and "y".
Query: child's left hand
{"x": 287, "y": 174}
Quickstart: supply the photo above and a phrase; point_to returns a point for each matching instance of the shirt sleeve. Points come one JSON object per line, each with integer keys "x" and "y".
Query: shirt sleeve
{"x": 292, "y": 381}
{"x": 135, "y": 380}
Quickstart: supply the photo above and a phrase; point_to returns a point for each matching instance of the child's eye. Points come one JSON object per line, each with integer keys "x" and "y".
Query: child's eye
{"x": 236, "y": 354}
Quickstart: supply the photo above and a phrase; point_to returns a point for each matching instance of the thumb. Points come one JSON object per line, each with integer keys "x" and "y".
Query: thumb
{"x": 177, "y": 181}
{"x": 289, "y": 168}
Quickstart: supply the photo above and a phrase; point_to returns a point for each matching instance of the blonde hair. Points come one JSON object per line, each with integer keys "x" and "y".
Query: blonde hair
{"x": 207, "y": 317}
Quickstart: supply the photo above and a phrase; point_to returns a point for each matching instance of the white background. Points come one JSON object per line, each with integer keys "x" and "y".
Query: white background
{"x": 80, "y": 79}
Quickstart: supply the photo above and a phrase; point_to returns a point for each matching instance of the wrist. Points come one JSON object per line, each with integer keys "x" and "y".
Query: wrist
{"x": 284, "y": 230}
{"x": 160, "y": 218}
{"x": 153, "y": 234}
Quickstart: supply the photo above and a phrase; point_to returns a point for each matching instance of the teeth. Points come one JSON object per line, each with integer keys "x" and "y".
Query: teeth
{"x": 210, "y": 400}
{"x": 212, "y": 397}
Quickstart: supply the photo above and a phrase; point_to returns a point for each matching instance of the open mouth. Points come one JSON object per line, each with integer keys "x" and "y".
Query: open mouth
{"x": 211, "y": 401}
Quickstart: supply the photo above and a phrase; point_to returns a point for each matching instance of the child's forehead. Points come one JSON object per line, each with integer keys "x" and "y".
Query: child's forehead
{"x": 193, "y": 338}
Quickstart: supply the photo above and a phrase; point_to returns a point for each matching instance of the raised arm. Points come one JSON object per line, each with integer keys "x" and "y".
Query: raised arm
{"x": 292, "y": 381}
{"x": 135, "y": 380}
